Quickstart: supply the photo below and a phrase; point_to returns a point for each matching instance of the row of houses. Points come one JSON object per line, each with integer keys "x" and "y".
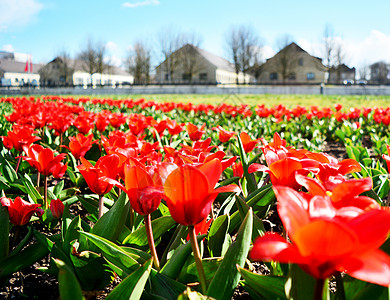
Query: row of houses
{"x": 291, "y": 65}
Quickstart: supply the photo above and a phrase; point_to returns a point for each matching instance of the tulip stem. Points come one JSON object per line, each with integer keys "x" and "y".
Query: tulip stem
{"x": 198, "y": 259}
{"x": 339, "y": 286}
{"x": 319, "y": 289}
{"x": 18, "y": 164}
{"x": 152, "y": 247}
{"x": 101, "y": 206}
{"x": 45, "y": 192}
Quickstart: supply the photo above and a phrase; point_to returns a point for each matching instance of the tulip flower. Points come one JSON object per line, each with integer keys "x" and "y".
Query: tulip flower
{"x": 79, "y": 145}
{"x": 20, "y": 211}
{"x": 194, "y": 132}
{"x": 145, "y": 191}
{"x": 189, "y": 192}
{"x": 323, "y": 243}
{"x": 106, "y": 166}
{"x": 44, "y": 161}
{"x": 56, "y": 208}
{"x": 387, "y": 158}
{"x": 224, "y": 135}
{"x": 18, "y": 138}
{"x": 247, "y": 142}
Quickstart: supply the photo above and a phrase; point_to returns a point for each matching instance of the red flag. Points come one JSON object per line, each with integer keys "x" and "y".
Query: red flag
{"x": 31, "y": 70}
{"x": 26, "y": 67}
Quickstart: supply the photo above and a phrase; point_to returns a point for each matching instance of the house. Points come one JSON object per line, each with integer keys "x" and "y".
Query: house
{"x": 292, "y": 65}
{"x": 190, "y": 64}
{"x": 17, "y": 74}
{"x": 380, "y": 73}
{"x": 341, "y": 74}
{"x": 72, "y": 72}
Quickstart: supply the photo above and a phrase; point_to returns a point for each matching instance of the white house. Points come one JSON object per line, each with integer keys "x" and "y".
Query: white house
{"x": 191, "y": 64}
{"x": 16, "y": 73}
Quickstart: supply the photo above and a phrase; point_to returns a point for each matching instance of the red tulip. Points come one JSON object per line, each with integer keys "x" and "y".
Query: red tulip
{"x": 19, "y": 137}
{"x": 387, "y": 158}
{"x": 80, "y": 144}
{"x": 44, "y": 161}
{"x": 57, "y": 208}
{"x": 323, "y": 243}
{"x": 190, "y": 191}
{"x": 194, "y": 132}
{"x": 106, "y": 166}
{"x": 247, "y": 142}
{"x": 224, "y": 135}
{"x": 20, "y": 211}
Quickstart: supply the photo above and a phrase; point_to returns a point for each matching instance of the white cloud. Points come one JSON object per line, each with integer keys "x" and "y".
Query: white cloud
{"x": 111, "y": 46}
{"x": 18, "y": 13}
{"x": 141, "y": 3}
{"x": 8, "y": 48}
{"x": 357, "y": 53}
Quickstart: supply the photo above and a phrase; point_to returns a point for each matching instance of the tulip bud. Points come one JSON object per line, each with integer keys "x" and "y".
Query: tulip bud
{"x": 57, "y": 208}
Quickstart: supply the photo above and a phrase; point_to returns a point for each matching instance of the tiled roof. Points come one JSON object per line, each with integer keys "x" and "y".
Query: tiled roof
{"x": 8, "y": 65}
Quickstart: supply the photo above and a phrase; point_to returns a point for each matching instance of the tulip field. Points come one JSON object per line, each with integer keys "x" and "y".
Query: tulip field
{"x": 139, "y": 199}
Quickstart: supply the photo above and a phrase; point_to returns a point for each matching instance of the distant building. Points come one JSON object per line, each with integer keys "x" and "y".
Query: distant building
{"x": 380, "y": 73}
{"x": 192, "y": 65}
{"x": 71, "y": 72}
{"x": 292, "y": 65}
{"x": 341, "y": 74}
{"x": 18, "y": 74}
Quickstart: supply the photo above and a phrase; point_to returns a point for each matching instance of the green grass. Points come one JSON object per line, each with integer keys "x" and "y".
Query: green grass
{"x": 267, "y": 99}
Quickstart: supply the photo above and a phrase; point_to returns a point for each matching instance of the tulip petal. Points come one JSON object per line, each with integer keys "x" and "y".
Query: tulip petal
{"x": 372, "y": 266}
{"x": 272, "y": 246}
{"x": 213, "y": 170}
{"x": 292, "y": 208}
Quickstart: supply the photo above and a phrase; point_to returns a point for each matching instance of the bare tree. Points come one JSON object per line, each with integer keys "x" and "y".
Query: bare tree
{"x": 339, "y": 59}
{"x": 66, "y": 69}
{"x": 139, "y": 63}
{"x": 243, "y": 46}
{"x": 93, "y": 56}
{"x": 329, "y": 45}
{"x": 169, "y": 41}
{"x": 286, "y": 59}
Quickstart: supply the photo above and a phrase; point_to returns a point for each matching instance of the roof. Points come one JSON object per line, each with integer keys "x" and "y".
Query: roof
{"x": 78, "y": 65}
{"x": 8, "y": 65}
{"x": 216, "y": 60}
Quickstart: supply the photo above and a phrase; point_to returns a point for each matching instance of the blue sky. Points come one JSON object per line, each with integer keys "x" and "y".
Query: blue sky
{"x": 43, "y": 28}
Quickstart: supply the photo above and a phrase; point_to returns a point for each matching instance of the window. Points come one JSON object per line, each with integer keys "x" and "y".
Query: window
{"x": 310, "y": 76}
{"x": 292, "y": 76}
{"x": 300, "y": 62}
{"x": 273, "y": 76}
{"x": 203, "y": 76}
{"x": 166, "y": 76}
{"x": 186, "y": 76}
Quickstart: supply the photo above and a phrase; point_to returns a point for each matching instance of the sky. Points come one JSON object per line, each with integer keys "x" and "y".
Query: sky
{"x": 45, "y": 28}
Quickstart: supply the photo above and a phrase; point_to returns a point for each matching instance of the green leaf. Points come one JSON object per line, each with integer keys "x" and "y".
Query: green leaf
{"x": 159, "y": 226}
{"x": 258, "y": 227}
{"x": 91, "y": 270}
{"x": 190, "y": 272}
{"x": 31, "y": 190}
{"x": 111, "y": 223}
{"x": 8, "y": 172}
{"x": 113, "y": 253}
{"x": 299, "y": 284}
{"x": 227, "y": 276}
{"x": 23, "y": 259}
{"x": 360, "y": 290}
{"x": 72, "y": 233}
{"x": 175, "y": 264}
{"x": 58, "y": 189}
{"x": 265, "y": 286}
{"x": 162, "y": 287}
{"x": 133, "y": 285}
{"x": 68, "y": 284}
{"x": 218, "y": 240}
{"x": 4, "y": 232}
